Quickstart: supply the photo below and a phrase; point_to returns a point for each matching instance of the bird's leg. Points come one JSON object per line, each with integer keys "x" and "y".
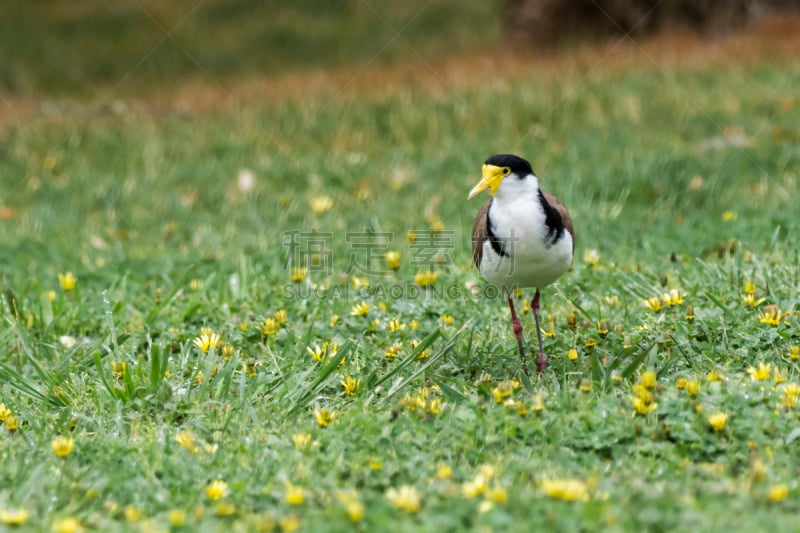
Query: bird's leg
{"x": 541, "y": 362}
{"x": 517, "y": 333}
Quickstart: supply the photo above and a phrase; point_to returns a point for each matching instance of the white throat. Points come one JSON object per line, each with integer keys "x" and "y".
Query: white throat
{"x": 517, "y": 220}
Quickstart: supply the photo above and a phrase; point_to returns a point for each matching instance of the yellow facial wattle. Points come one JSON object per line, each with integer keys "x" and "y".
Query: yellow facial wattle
{"x": 492, "y": 177}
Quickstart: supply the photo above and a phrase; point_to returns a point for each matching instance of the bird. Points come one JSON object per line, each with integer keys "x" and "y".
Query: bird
{"x": 522, "y": 237}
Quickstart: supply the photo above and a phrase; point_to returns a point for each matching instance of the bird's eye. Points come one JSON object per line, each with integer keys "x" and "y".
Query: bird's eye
{"x": 506, "y": 171}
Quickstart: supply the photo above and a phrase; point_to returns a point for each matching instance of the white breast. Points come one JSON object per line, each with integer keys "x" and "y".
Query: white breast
{"x": 518, "y": 221}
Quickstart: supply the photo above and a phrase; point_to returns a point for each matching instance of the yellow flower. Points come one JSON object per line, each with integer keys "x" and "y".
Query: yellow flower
{"x": 354, "y": 510}
{"x": 359, "y": 283}
{"x": 648, "y": 379}
{"x": 761, "y": 373}
{"x": 436, "y": 223}
{"x": 216, "y": 489}
{"x": 520, "y": 406}
{"x": 572, "y": 354}
{"x": 395, "y": 325}
{"x": 393, "y": 260}
{"x": 317, "y": 353}
{"x": 538, "y": 403}
{"x": 413, "y": 324}
{"x": 324, "y": 416}
{"x": 777, "y": 493}
{"x": 298, "y": 274}
{"x": 5, "y": 412}
{"x": 680, "y": 383}
{"x": 280, "y": 316}
{"x": 673, "y": 298}
{"x": 66, "y": 525}
{"x": 602, "y": 328}
{"x": 693, "y": 388}
{"x": 589, "y": 343}
{"x": 497, "y": 494}
{"x": 591, "y": 256}
{"x": 643, "y": 392}
{"x": 225, "y": 509}
{"x": 207, "y": 340}
{"x": 758, "y": 470}
{"x": 718, "y": 421}
{"x": 186, "y": 439}
{"x": 791, "y": 393}
{"x": 443, "y": 471}
{"x": 352, "y": 506}
{"x": 794, "y": 352}
{"x": 301, "y": 440}
{"x": 690, "y": 313}
{"x": 411, "y": 236}
{"x": 393, "y": 350}
{"x": 641, "y": 406}
{"x": 713, "y": 376}
{"x": 375, "y": 464}
{"x": 446, "y": 319}
{"x": 585, "y": 386}
{"x": 729, "y": 216}
{"x": 133, "y": 514}
{"x": 320, "y": 204}
{"x": 487, "y": 470}
{"x": 406, "y": 498}
{"x": 572, "y": 321}
{"x": 569, "y": 490}
{"x": 475, "y": 487}
{"x": 654, "y": 304}
{"x": 334, "y": 319}
{"x": 118, "y": 368}
{"x": 62, "y": 446}
{"x": 503, "y": 390}
{"x": 289, "y": 523}
{"x": 770, "y": 315}
{"x": 294, "y": 494}
{"x": 12, "y": 424}
{"x": 360, "y": 309}
{"x": 423, "y": 279}
{"x": 748, "y": 300}
{"x": 350, "y": 386}
{"x": 434, "y": 406}
{"x": 269, "y": 327}
{"x": 210, "y": 448}
{"x": 67, "y": 281}
{"x": 13, "y": 517}
{"x": 749, "y": 287}
{"x": 176, "y": 517}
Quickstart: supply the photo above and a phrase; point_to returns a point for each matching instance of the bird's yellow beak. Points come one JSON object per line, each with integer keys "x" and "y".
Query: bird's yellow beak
{"x": 492, "y": 176}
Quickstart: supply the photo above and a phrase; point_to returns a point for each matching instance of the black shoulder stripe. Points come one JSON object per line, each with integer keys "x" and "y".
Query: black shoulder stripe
{"x": 553, "y": 221}
{"x": 496, "y": 244}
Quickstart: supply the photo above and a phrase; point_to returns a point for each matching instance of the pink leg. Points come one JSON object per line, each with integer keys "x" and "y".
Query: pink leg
{"x": 518, "y": 334}
{"x": 541, "y": 362}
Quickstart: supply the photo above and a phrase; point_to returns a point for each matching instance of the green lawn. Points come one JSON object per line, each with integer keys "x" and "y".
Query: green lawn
{"x": 678, "y": 179}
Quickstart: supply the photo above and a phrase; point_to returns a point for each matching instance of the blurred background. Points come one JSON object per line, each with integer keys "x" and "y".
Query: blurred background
{"x": 51, "y": 47}
{"x": 191, "y": 125}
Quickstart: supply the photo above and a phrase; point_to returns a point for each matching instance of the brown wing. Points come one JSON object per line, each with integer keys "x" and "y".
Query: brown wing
{"x": 565, "y": 218}
{"x": 480, "y": 232}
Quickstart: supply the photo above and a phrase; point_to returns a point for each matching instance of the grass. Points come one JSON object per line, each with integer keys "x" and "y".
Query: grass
{"x": 679, "y": 177}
